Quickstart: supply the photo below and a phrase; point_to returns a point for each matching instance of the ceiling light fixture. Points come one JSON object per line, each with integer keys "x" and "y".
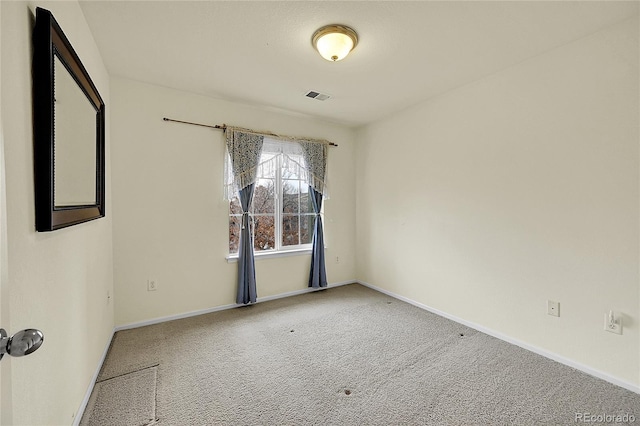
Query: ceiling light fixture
{"x": 334, "y": 42}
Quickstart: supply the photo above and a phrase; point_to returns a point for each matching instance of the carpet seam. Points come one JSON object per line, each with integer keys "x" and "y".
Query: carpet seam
{"x": 156, "y": 419}
{"x": 130, "y": 372}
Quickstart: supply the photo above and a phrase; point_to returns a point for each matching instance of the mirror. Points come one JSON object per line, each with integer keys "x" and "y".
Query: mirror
{"x": 68, "y": 132}
{"x": 74, "y": 142}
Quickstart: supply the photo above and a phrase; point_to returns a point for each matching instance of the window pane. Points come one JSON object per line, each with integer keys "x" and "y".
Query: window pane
{"x": 234, "y": 206}
{"x": 268, "y": 166}
{"x": 305, "y": 199}
{"x": 307, "y": 223}
{"x": 234, "y": 233}
{"x": 264, "y": 196}
{"x": 264, "y": 233}
{"x": 290, "y": 192}
{"x": 290, "y": 169}
{"x": 290, "y": 230}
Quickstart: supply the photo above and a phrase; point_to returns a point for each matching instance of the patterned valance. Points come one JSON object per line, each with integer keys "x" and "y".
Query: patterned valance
{"x": 315, "y": 157}
{"x": 244, "y": 148}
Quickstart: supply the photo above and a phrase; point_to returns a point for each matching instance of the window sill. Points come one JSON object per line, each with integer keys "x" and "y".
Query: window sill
{"x": 233, "y": 258}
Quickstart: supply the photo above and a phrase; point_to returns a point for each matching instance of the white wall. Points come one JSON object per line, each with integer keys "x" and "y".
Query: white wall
{"x": 57, "y": 281}
{"x": 521, "y": 187}
{"x": 170, "y": 219}
{"x": 6, "y": 412}
{"x": 483, "y": 203}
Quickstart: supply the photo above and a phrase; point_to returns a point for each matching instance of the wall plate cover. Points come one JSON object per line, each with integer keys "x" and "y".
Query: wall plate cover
{"x": 613, "y": 322}
{"x": 152, "y": 284}
{"x": 553, "y": 308}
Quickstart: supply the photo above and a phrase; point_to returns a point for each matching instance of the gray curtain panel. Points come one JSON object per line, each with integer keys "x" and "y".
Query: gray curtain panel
{"x": 245, "y": 150}
{"x": 315, "y": 158}
{"x": 246, "y": 261}
{"x": 318, "y": 273}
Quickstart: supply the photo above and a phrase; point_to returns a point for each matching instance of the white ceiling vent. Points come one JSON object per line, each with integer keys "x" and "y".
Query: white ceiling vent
{"x": 316, "y": 95}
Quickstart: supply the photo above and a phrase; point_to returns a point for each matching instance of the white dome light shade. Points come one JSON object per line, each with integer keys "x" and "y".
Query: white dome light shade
{"x": 334, "y": 42}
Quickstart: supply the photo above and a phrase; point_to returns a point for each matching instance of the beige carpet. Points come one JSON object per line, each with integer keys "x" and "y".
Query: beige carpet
{"x": 346, "y": 356}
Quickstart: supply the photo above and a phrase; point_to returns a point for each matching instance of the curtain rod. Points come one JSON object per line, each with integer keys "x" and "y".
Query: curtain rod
{"x": 223, "y": 127}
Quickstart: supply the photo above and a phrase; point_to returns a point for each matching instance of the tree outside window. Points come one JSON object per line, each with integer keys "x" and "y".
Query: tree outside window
{"x": 282, "y": 216}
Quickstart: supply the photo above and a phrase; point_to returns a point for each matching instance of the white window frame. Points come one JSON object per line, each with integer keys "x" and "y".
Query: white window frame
{"x": 279, "y": 250}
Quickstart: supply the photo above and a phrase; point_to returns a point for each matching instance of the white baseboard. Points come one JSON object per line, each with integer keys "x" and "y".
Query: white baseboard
{"x": 174, "y": 317}
{"x": 547, "y": 354}
{"x": 224, "y": 307}
{"x": 85, "y": 401}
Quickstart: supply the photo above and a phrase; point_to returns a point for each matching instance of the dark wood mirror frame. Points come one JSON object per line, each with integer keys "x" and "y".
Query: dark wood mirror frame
{"x": 49, "y": 42}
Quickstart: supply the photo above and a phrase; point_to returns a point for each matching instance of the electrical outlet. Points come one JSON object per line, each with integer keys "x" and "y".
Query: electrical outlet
{"x": 108, "y": 296}
{"x": 553, "y": 308}
{"x": 337, "y": 259}
{"x": 152, "y": 284}
{"x": 613, "y": 322}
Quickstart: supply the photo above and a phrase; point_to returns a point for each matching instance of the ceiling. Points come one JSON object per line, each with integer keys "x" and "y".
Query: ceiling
{"x": 260, "y": 53}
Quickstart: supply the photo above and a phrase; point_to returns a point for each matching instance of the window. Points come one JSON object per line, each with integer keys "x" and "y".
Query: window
{"x": 281, "y": 215}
